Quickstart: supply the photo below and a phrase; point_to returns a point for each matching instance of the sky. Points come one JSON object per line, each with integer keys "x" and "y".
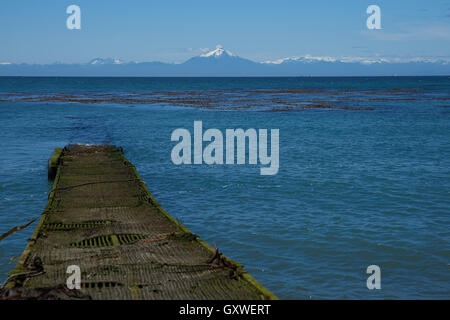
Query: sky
{"x": 174, "y": 31}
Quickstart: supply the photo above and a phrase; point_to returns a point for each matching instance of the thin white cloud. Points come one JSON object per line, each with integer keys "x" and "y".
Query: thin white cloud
{"x": 198, "y": 50}
{"x": 441, "y": 32}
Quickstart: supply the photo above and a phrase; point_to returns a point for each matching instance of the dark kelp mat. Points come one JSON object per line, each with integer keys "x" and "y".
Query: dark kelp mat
{"x": 101, "y": 217}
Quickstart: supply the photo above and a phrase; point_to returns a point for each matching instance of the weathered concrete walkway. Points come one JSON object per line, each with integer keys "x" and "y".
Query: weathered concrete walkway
{"x": 101, "y": 217}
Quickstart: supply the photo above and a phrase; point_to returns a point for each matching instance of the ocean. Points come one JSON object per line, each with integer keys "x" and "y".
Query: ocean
{"x": 363, "y": 179}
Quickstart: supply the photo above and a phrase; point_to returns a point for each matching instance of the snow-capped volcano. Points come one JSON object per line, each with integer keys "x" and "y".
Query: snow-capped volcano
{"x": 218, "y": 61}
{"x": 218, "y": 52}
{"x": 223, "y": 63}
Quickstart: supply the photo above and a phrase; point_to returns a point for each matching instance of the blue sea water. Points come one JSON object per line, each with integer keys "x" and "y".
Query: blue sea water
{"x": 355, "y": 187}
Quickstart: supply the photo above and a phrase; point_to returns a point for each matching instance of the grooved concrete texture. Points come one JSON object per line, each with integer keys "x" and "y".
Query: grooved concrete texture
{"x": 101, "y": 217}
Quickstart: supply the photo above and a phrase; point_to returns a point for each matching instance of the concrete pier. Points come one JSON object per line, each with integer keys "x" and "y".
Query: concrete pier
{"x": 101, "y": 217}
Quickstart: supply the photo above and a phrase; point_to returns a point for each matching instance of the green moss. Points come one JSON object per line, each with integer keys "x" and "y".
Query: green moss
{"x": 77, "y": 167}
{"x": 265, "y": 293}
{"x": 53, "y": 163}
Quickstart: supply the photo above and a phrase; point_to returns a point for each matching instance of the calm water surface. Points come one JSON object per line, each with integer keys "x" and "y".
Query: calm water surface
{"x": 355, "y": 187}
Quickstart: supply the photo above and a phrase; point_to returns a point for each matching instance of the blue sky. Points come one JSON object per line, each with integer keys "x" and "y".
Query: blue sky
{"x": 173, "y": 31}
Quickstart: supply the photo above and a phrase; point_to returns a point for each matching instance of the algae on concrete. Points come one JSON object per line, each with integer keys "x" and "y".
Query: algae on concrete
{"x": 101, "y": 217}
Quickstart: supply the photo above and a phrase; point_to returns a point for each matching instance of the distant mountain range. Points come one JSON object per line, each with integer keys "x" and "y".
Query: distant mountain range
{"x": 221, "y": 62}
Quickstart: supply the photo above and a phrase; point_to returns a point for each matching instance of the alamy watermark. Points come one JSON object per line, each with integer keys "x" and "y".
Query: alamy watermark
{"x": 374, "y": 280}
{"x": 374, "y": 20}
{"x": 74, "y": 20}
{"x": 214, "y": 152}
{"x": 74, "y": 280}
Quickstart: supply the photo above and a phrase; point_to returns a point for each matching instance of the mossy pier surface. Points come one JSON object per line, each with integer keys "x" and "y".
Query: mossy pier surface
{"x": 101, "y": 217}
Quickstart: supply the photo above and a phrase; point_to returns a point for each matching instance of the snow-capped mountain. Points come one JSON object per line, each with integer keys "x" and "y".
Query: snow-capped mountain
{"x": 302, "y": 59}
{"x": 218, "y": 61}
{"x": 221, "y": 62}
{"x": 360, "y": 60}
{"x": 217, "y": 53}
{"x": 99, "y": 61}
